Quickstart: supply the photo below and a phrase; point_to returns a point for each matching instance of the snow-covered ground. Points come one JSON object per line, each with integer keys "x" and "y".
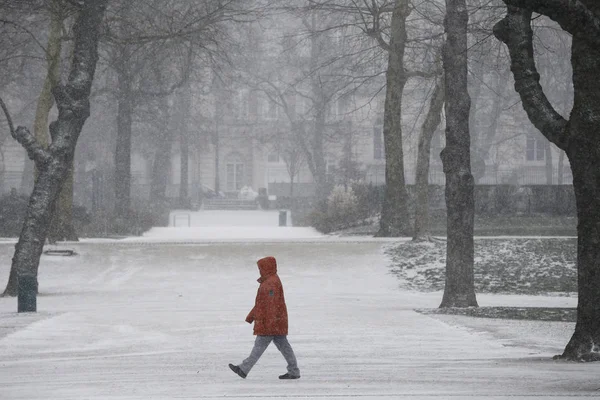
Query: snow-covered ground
{"x": 145, "y": 320}
{"x": 226, "y": 218}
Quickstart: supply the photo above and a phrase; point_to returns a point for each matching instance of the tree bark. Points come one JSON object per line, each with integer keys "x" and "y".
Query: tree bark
{"x": 315, "y": 151}
{"x": 585, "y": 163}
{"x": 184, "y": 193}
{"x": 577, "y": 137}
{"x": 432, "y": 121}
{"x": 46, "y": 101}
{"x": 394, "y": 220}
{"x": 44, "y": 104}
{"x": 53, "y": 163}
{"x": 459, "y": 290}
{"x": 318, "y": 155}
{"x": 62, "y": 227}
{"x": 125, "y": 107}
{"x": 162, "y": 157}
{"x": 583, "y": 151}
{"x": 182, "y": 116}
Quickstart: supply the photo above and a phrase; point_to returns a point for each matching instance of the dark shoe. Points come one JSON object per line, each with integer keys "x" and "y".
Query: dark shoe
{"x": 288, "y": 376}
{"x": 237, "y": 370}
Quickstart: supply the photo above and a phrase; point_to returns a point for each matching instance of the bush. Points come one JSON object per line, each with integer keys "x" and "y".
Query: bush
{"x": 342, "y": 211}
{"x": 342, "y": 205}
{"x": 12, "y": 213}
{"x": 135, "y": 223}
{"x": 369, "y": 199}
{"x": 320, "y": 221}
{"x": 13, "y": 208}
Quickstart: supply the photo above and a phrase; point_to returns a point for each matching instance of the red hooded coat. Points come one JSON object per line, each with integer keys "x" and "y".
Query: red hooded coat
{"x": 269, "y": 313}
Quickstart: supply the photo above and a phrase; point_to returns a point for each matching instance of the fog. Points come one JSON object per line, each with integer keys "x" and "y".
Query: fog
{"x": 268, "y": 105}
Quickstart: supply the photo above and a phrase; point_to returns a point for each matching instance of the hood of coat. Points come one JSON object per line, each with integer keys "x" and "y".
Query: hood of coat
{"x": 267, "y": 267}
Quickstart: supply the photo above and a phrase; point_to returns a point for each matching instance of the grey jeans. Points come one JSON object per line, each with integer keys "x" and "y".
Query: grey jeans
{"x": 260, "y": 345}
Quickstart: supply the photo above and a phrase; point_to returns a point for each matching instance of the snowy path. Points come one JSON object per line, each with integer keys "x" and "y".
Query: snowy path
{"x": 142, "y": 321}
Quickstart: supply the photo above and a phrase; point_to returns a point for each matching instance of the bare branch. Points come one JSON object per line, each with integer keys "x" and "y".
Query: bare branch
{"x": 572, "y": 15}
{"x": 515, "y": 30}
{"x": 423, "y": 74}
{"x": 184, "y": 78}
{"x": 8, "y": 118}
{"x": 28, "y": 32}
{"x": 35, "y": 151}
{"x": 375, "y": 31}
{"x": 22, "y": 135}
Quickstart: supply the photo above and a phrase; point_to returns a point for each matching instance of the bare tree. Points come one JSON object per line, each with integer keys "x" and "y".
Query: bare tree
{"x": 294, "y": 161}
{"x": 576, "y": 136}
{"x": 432, "y": 121}
{"x": 394, "y": 219}
{"x": 312, "y": 72}
{"x": 459, "y": 290}
{"x": 175, "y": 37}
{"x": 388, "y": 23}
{"x": 22, "y": 56}
{"x": 52, "y": 163}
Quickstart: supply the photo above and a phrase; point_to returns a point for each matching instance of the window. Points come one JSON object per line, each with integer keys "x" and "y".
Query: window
{"x": 378, "y": 149}
{"x": 273, "y": 157}
{"x": 535, "y": 148}
{"x": 235, "y": 173}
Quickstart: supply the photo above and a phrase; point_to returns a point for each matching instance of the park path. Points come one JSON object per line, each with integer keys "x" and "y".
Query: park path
{"x": 161, "y": 321}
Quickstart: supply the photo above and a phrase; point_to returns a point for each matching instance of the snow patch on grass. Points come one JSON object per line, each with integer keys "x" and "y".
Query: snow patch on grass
{"x": 516, "y": 266}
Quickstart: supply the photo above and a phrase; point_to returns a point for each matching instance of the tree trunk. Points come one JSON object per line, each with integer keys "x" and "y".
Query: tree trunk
{"x": 217, "y": 160}
{"x": 394, "y": 220}
{"x": 583, "y": 152}
{"x": 315, "y": 151}
{"x": 184, "y": 193}
{"x": 44, "y": 105}
{"x": 432, "y": 121}
{"x": 53, "y": 163}
{"x": 160, "y": 174}
{"x": 46, "y": 101}
{"x": 318, "y": 154}
{"x": 125, "y": 106}
{"x": 459, "y": 290}
{"x": 585, "y": 162}
{"x": 62, "y": 227}
{"x": 161, "y": 169}
{"x": 577, "y": 137}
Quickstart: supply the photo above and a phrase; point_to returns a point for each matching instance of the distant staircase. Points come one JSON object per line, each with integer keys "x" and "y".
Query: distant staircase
{"x": 229, "y": 204}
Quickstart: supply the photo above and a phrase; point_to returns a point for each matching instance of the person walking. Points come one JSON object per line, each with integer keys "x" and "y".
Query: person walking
{"x": 270, "y": 322}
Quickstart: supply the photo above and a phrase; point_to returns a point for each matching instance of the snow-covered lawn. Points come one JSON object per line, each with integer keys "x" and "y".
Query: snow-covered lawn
{"x": 143, "y": 320}
{"x": 518, "y": 265}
